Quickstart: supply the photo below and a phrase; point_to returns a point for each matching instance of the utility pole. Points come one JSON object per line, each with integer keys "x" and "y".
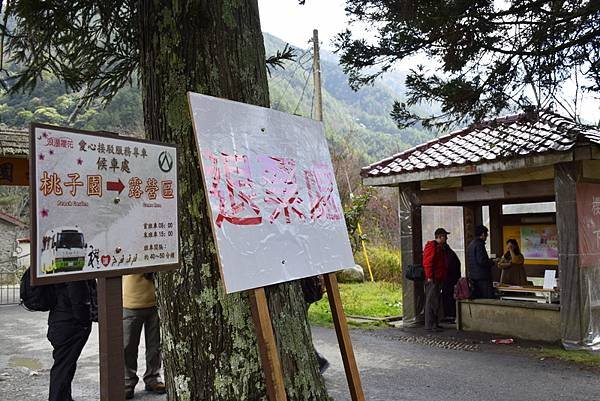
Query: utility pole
{"x": 319, "y": 117}
{"x": 330, "y": 279}
{"x": 317, "y": 76}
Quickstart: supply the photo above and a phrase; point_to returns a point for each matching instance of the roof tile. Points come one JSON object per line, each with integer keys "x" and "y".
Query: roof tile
{"x": 501, "y": 138}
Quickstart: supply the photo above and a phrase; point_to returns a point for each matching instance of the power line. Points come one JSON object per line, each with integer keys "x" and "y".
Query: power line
{"x": 303, "y": 90}
{"x": 299, "y": 64}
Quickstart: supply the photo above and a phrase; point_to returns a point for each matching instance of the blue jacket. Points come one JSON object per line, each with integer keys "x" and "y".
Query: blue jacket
{"x": 478, "y": 261}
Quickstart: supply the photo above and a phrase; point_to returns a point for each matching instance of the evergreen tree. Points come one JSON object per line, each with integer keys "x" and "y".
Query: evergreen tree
{"x": 213, "y": 47}
{"x": 494, "y": 55}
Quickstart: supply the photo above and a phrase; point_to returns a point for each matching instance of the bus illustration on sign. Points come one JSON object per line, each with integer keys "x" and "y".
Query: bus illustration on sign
{"x": 63, "y": 250}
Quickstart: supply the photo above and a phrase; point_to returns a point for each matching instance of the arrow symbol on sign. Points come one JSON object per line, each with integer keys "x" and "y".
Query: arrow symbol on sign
{"x": 115, "y": 186}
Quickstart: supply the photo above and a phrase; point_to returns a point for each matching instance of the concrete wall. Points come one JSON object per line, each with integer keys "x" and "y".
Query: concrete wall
{"x": 8, "y": 236}
{"x": 525, "y": 320}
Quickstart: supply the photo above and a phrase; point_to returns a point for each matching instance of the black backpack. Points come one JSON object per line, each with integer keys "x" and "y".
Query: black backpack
{"x": 414, "y": 272}
{"x": 39, "y": 298}
{"x": 311, "y": 289}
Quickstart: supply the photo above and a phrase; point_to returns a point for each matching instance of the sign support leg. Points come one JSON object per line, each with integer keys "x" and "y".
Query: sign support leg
{"x": 267, "y": 347}
{"x": 110, "y": 321}
{"x": 343, "y": 335}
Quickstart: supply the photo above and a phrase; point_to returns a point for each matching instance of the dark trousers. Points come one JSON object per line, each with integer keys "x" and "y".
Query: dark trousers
{"x": 448, "y": 301}
{"x": 483, "y": 289}
{"x": 68, "y": 341}
{"x": 433, "y": 295}
{"x": 133, "y": 321}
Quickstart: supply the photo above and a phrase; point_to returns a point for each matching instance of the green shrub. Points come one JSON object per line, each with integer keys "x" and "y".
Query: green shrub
{"x": 385, "y": 263}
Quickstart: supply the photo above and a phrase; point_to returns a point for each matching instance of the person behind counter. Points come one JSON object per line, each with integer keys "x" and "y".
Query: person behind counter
{"x": 511, "y": 264}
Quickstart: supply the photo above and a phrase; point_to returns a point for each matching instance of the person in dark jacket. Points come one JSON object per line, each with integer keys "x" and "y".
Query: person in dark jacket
{"x": 313, "y": 289}
{"x": 480, "y": 265}
{"x": 435, "y": 264}
{"x": 452, "y": 276}
{"x": 69, "y": 326}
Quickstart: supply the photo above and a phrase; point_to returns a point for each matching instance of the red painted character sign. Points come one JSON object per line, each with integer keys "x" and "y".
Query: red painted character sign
{"x": 276, "y": 211}
{"x": 588, "y": 215}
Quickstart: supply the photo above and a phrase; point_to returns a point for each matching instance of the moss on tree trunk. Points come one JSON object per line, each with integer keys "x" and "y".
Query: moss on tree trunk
{"x": 210, "y": 351}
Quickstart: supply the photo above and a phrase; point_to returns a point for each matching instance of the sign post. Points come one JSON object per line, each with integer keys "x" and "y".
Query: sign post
{"x": 275, "y": 212}
{"x": 267, "y": 347}
{"x": 103, "y": 206}
{"x": 343, "y": 336}
{"x": 110, "y": 333}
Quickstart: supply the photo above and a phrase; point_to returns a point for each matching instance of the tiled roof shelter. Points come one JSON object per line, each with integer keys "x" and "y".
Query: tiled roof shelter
{"x": 531, "y": 157}
{"x": 14, "y": 143}
{"x": 497, "y": 140}
{"x": 14, "y": 151}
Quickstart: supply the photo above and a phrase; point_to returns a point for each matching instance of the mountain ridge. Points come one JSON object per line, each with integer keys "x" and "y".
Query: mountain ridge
{"x": 358, "y": 120}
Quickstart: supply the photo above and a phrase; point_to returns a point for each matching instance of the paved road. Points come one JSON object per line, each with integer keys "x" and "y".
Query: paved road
{"x": 395, "y": 365}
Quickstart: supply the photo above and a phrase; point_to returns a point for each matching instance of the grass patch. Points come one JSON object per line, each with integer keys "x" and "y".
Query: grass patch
{"x": 373, "y": 299}
{"x": 584, "y": 358}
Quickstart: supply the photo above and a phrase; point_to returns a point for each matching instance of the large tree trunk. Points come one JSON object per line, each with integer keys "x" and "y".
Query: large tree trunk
{"x": 210, "y": 351}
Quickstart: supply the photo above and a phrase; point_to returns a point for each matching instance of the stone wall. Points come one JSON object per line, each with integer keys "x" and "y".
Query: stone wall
{"x": 8, "y": 235}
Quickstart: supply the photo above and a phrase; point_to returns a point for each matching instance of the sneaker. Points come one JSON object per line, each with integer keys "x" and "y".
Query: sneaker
{"x": 157, "y": 388}
{"x": 128, "y": 393}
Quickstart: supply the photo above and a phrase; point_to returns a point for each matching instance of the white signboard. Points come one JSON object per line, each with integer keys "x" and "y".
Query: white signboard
{"x": 549, "y": 279}
{"x": 103, "y": 205}
{"x": 275, "y": 208}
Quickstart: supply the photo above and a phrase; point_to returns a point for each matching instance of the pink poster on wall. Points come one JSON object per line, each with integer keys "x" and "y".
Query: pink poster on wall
{"x": 588, "y": 216}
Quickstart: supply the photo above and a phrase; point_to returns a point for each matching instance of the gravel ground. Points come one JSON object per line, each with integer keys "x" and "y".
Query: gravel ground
{"x": 394, "y": 365}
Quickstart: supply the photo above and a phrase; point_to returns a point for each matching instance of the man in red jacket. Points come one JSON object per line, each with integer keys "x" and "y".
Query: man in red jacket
{"x": 435, "y": 263}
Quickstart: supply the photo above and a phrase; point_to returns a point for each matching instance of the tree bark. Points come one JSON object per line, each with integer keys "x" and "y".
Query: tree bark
{"x": 210, "y": 351}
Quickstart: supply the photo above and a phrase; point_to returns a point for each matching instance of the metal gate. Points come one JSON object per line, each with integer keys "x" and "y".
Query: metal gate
{"x": 10, "y": 278}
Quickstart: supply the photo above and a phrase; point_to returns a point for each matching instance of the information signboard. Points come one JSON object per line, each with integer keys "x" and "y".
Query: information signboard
{"x": 275, "y": 208}
{"x": 538, "y": 242}
{"x": 588, "y": 224}
{"x": 103, "y": 205}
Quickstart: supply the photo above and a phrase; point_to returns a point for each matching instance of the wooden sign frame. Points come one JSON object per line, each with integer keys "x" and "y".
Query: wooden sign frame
{"x": 267, "y": 346}
{"x": 110, "y": 283}
{"x": 35, "y": 280}
{"x": 269, "y": 356}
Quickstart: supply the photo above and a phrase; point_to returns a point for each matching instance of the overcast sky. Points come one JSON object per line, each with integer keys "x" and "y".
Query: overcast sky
{"x": 294, "y": 23}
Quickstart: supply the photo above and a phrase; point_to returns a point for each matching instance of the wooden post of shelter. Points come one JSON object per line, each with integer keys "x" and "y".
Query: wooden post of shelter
{"x": 496, "y": 240}
{"x": 496, "y": 243}
{"x": 333, "y": 292}
{"x": 468, "y": 230}
{"x": 565, "y": 181}
{"x": 411, "y": 245}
